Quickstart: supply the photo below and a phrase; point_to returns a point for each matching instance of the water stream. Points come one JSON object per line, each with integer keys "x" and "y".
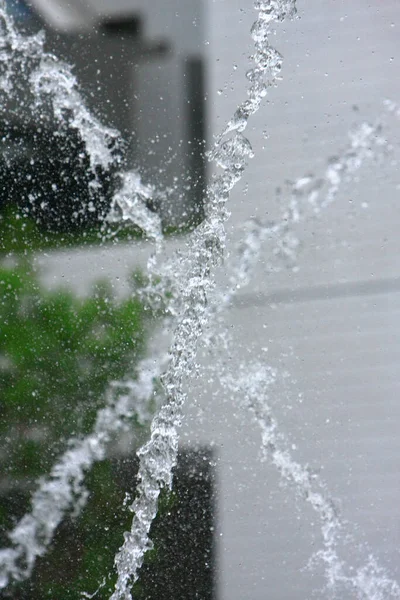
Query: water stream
{"x": 195, "y": 305}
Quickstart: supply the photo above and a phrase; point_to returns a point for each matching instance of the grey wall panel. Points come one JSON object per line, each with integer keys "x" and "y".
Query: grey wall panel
{"x": 336, "y": 400}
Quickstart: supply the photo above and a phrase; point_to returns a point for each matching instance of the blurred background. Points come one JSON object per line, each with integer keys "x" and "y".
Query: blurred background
{"x": 168, "y": 74}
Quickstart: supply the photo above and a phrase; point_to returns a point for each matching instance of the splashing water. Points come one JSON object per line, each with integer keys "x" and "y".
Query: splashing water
{"x": 64, "y": 489}
{"x": 129, "y": 204}
{"x": 205, "y": 245}
{"x": 194, "y": 302}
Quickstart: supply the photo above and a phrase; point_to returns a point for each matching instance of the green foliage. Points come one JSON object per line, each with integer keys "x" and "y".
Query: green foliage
{"x": 58, "y": 354}
{"x": 20, "y": 233}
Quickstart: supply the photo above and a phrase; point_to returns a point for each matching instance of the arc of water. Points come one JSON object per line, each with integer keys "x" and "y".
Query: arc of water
{"x": 309, "y": 195}
{"x": 368, "y": 582}
{"x": 63, "y": 490}
{"x": 15, "y": 48}
{"x": 129, "y": 204}
{"x": 158, "y": 456}
{"x": 52, "y": 81}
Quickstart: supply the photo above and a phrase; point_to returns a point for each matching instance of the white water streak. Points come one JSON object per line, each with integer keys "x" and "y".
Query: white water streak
{"x": 16, "y": 51}
{"x": 54, "y": 80}
{"x": 129, "y": 204}
{"x": 53, "y": 84}
{"x": 369, "y": 582}
{"x": 63, "y": 490}
{"x": 309, "y": 196}
{"x": 158, "y": 456}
